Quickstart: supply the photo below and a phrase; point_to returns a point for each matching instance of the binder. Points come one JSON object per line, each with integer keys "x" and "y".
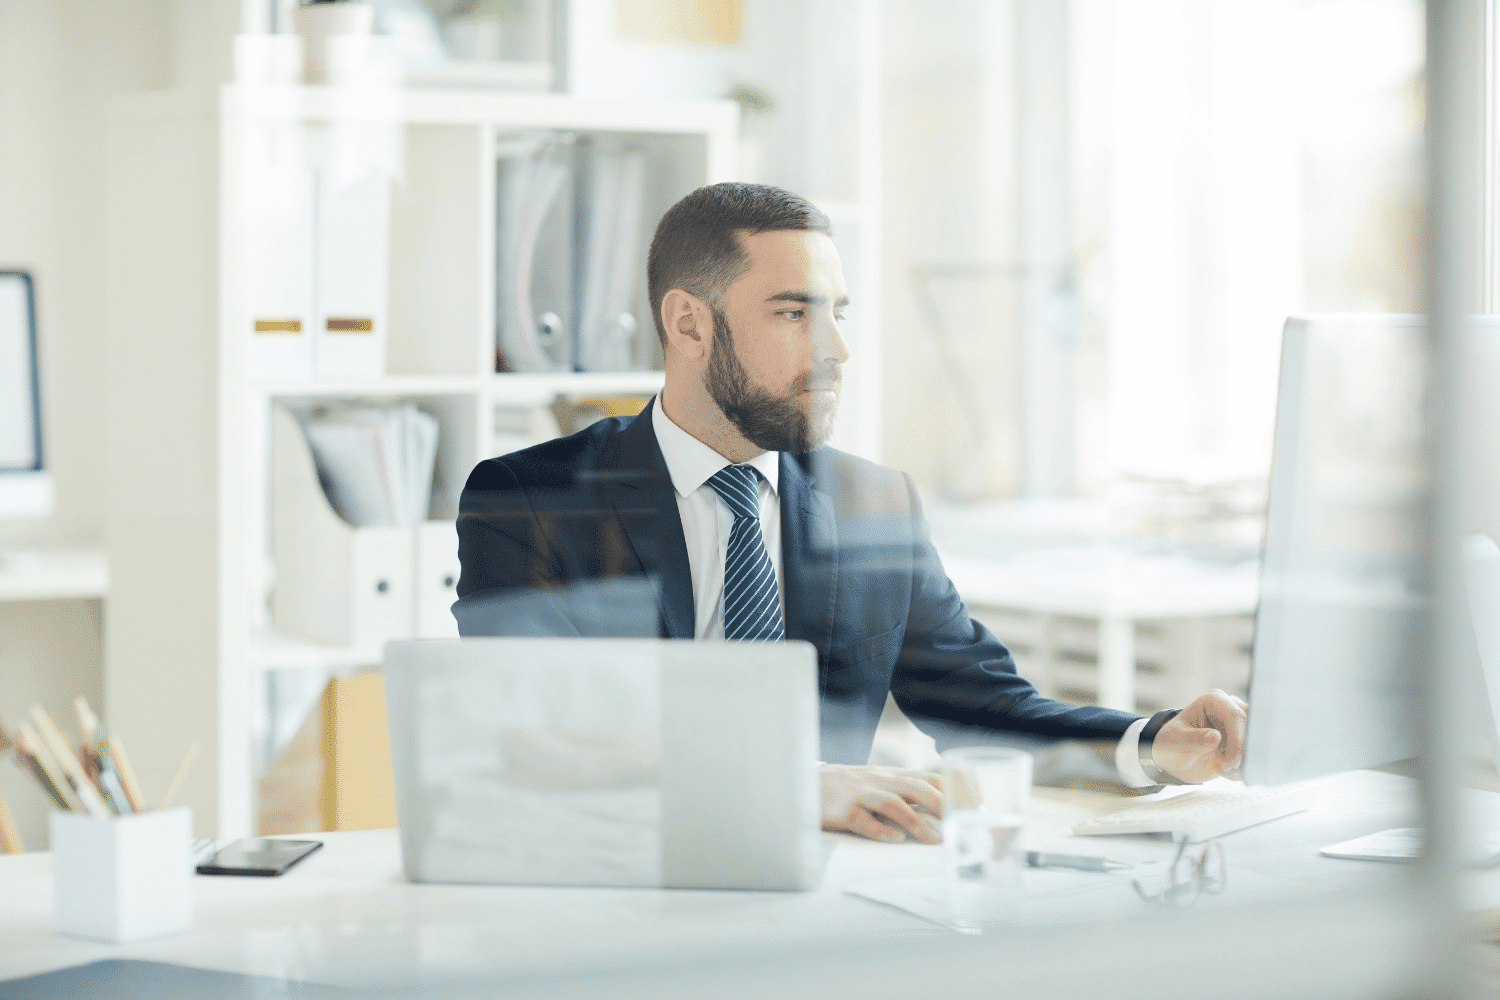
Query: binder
{"x": 612, "y": 259}
{"x": 534, "y": 254}
{"x": 353, "y": 268}
{"x": 334, "y": 583}
{"x": 277, "y": 198}
{"x": 436, "y": 571}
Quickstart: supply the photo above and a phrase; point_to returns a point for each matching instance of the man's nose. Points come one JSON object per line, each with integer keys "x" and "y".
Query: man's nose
{"x": 830, "y": 347}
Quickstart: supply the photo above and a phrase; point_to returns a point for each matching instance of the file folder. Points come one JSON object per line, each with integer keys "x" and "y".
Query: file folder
{"x": 353, "y": 267}
{"x": 277, "y": 216}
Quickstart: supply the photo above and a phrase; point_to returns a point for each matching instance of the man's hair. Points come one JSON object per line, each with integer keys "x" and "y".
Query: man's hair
{"x": 697, "y": 246}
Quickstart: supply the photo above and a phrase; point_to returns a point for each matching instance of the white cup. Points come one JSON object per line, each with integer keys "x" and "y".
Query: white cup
{"x": 124, "y": 878}
{"x": 985, "y": 790}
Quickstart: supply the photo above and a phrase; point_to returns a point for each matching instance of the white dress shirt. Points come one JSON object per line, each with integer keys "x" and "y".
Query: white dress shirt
{"x": 706, "y": 521}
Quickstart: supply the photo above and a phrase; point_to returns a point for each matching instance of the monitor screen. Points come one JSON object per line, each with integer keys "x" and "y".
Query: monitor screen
{"x": 20, "y": 411}
{"x": 1336, "y": 655}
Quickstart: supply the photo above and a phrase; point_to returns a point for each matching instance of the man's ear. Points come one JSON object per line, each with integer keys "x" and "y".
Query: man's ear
{"x": 688, "y": 322}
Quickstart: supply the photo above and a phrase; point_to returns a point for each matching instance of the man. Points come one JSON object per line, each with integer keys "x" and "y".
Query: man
{"x": 723, "y": 493}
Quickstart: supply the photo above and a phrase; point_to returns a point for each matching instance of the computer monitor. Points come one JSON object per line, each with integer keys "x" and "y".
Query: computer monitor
{"x": 1335, "y": 657}
{"x": 25, "y": 485}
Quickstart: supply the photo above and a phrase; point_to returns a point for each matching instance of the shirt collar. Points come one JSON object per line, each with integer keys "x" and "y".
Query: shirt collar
{"x": 691, "y": 463}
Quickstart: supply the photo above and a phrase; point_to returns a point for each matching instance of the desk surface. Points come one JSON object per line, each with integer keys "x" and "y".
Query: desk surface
{"x": 348, "y": 916}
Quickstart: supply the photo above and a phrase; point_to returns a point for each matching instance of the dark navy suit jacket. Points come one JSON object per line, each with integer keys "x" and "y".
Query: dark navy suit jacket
{"x": 860, "y": 580}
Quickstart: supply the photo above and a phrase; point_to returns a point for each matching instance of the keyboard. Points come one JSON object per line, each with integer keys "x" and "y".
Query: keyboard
{"x": 1203, "y": 813}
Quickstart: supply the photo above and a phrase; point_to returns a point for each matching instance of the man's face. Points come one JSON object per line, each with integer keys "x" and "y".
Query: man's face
{"x": 775, "y": 364}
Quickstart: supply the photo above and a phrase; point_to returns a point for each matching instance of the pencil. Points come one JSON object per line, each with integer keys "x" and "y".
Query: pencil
{"x": 28, "y": 763}
{"x": 47, "y": 770}
{"x": 182, "y": 770}
{"x": 88, "y": 722}
{"x": 97, "y": 763}
{"x": 88, "y": 727}
{"x": 72, "y": 771}
{"x": 10, "y": 837}
{"x": 127, "y": 775}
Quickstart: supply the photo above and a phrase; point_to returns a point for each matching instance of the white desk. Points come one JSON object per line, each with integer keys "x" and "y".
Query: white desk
{"x": 1112, "y": 585}
{"x": 347, "y": 916}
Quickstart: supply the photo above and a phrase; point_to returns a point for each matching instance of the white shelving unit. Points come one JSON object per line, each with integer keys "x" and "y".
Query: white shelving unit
{"x": 188, "y": 640}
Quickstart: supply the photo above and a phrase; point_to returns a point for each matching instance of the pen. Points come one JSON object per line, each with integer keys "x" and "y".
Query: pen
{"x": 1046, "y": 859}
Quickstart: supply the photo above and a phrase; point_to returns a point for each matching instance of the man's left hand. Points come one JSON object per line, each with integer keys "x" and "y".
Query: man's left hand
{"x": 1206, "y": 739}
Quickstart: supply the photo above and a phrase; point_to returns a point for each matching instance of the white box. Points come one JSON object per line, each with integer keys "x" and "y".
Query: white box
{"x": 334, "y": 582}
{"x": 353, "y": 266}
{"x": 436, "y": 583}
{"x": 125, "y": 878}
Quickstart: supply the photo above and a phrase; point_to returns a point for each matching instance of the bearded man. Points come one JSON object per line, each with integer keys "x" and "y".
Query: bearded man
{"x": 724, "y": 496}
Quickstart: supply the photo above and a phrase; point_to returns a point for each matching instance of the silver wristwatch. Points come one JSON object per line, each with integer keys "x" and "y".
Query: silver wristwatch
{"x": 1143, "y": 748}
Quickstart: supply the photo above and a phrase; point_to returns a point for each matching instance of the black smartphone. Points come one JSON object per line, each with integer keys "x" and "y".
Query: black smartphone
{"x": 258, "y": 856}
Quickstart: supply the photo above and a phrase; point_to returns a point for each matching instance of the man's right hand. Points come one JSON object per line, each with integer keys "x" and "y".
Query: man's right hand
{"x": 853, "y": 798}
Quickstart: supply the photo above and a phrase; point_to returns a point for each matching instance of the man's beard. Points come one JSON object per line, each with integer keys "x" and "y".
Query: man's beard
{"x": 775, "y": 423}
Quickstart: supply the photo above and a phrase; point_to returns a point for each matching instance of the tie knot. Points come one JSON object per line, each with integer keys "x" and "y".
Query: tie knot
{"x": 739, "y": 487}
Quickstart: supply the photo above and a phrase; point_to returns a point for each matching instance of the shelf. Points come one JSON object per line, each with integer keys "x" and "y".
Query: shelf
{"x": 272, "y": 650}
{"x": 525, "y": 76}
{"x": 53, "y": 576}
{"x": 521, "y": 388}
{"x": 202, "y": 458}
{"x": 534, "y": 388}
{"x": 391, "y": 385}
{"x": 428, "y": 105}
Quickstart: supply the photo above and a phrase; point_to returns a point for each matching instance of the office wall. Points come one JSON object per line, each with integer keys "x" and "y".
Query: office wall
{"x": 59, "y": 64}
{"x": 950, "y": 395}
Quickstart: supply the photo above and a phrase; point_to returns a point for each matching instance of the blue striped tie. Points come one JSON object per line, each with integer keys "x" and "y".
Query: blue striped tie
{"x": 752, "y": 604}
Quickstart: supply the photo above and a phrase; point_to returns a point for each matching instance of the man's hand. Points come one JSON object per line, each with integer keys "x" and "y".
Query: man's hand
{"x": 854, "y": 796}
{"x": 1206, "y": 739}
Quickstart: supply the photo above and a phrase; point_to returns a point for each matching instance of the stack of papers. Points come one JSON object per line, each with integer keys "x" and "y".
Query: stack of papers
{"x": 376, "y": 463}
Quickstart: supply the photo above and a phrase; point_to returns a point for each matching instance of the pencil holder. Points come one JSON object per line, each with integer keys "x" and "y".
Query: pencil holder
{"x": 124, "y": 878}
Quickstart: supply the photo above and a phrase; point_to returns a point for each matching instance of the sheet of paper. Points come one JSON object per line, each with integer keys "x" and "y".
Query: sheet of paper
{"x": 1051, "y": 895}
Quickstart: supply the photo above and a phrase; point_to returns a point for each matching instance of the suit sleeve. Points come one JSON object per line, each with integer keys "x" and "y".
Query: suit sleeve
{"x": 958, "y": 682}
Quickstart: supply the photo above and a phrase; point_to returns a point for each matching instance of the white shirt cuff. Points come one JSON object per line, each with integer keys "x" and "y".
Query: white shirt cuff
{"x": 1127, "y": 757}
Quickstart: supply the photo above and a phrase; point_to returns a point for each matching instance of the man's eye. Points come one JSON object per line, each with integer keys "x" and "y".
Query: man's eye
{"x": 792, "y": 314}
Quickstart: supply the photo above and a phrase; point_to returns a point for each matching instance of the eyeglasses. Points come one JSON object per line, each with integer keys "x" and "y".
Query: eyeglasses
{"x": 1188, "y": 879}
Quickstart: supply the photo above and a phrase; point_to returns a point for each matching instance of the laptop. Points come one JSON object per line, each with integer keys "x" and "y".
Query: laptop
{"x": 606, "y": 762}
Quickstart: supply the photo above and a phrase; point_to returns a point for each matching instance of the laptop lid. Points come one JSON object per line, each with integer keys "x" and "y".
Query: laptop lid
{"x": 606, "y": 762}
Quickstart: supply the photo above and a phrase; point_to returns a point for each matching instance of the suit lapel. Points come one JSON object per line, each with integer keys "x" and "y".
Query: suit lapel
{"x": 645, "y": 505}
{"x": 809, "y": 554}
